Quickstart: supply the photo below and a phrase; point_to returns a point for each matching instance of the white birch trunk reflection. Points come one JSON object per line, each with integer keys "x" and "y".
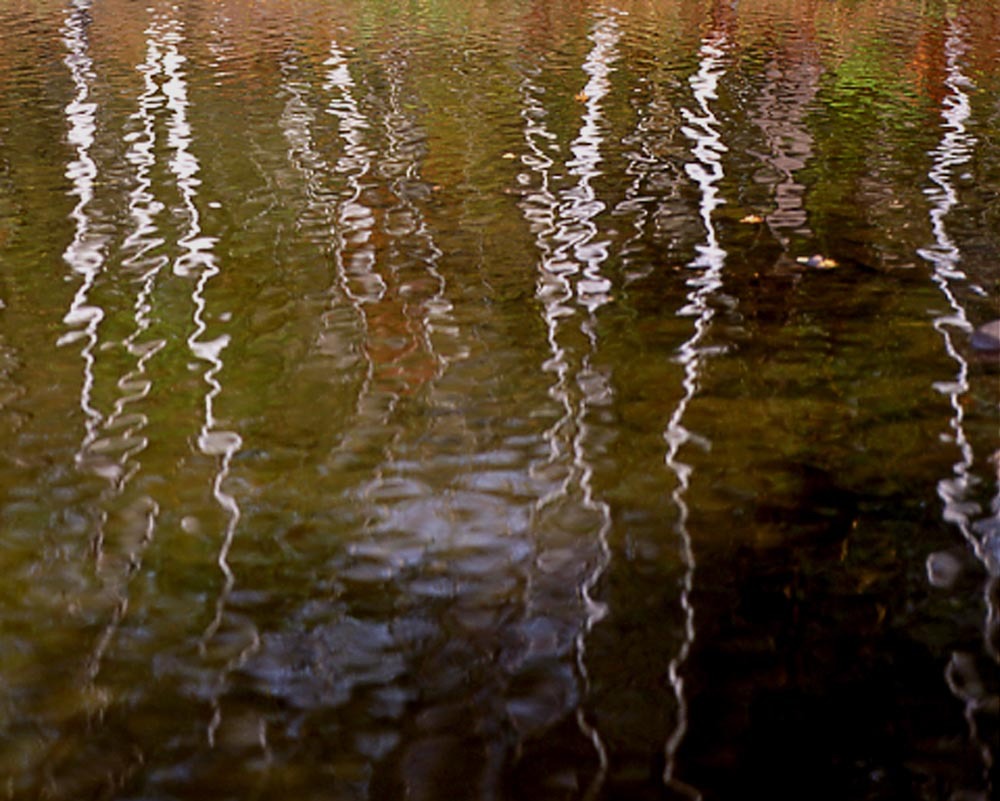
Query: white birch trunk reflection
{"x": 956, "y": 491}
{"x": 86, "y": 254}
{"x": 706, "y": 171}
{"x": 122, "y": 434}
{"x": 569, "y": 268}
{"x": 197, "y": 263}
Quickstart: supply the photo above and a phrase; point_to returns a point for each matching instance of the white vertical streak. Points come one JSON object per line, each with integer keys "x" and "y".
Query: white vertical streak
{"x": 944, "y": 256}
{"x": 85, "y": 255}
{"x": 197, "y": 259}
{"x": 580, "y": 204}
{"x": 570, "y": 265}
{"x": 134, "y": 385}
{"x": 355, "y": 219}
{"x": 136, "y": 247}
{"x": 706, "y": 171}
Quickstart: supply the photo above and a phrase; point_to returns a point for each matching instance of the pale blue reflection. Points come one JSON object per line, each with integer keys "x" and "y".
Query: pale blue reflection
{"x": 959, "y": 509}
{"x": 706, "y": 171}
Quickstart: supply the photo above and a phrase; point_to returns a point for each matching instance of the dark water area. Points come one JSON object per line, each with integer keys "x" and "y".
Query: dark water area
{"x": 524, "y": 400}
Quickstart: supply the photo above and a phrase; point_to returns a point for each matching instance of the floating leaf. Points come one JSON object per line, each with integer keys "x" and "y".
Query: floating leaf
{"x": 817, "y": 261}
{"x": 509, "y": 155}
{"x": 752, "y": 219}
{"x": 581, "y": 97}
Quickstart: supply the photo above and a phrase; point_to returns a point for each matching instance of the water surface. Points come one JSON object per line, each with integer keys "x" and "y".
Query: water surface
{"x": 429, "y": 400}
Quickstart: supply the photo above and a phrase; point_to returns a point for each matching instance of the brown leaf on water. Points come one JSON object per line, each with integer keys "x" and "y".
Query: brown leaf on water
{"x": 581, "y": 97}
{"x": 752, "y": 219}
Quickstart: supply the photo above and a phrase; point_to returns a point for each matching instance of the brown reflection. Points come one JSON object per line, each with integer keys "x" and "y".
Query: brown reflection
{"x": 386, "y": 257}
{"x": 791, "y": 81}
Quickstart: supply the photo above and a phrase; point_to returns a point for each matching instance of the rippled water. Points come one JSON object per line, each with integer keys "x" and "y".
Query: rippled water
{"x": 430, "y": 400}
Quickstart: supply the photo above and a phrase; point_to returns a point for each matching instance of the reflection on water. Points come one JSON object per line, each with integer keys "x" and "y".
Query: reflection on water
{"x": 706, "y": 170}
{"x": 570, "y": 267}
{"x": 356, "y": 221}
{"x": 85, "y": 254}
{"x": 198, "y": 263}
{"x": 780, "y": 110}
{"x": 116, "y": 454}
{"x": 402, "y": 408}
{"x": 955, "y": 491}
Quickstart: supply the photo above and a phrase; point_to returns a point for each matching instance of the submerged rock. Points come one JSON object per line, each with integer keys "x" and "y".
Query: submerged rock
{"x": 943, "y": 569}
{"x": 987, "y": 337}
